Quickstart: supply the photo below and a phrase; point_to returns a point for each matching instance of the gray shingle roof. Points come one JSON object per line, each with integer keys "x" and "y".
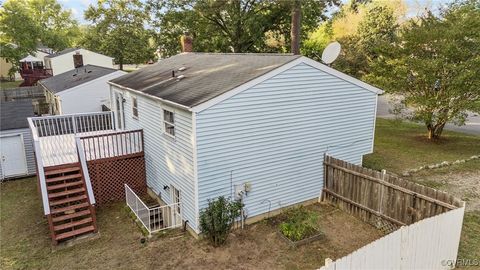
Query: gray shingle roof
{"x": 75, "y": 77}
{"x": 207, "y": 75}
{"x": 67, "y": 50}
{"x": 13, "y": 114}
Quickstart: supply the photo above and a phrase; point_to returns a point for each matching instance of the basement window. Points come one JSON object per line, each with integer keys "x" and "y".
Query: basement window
{"x": 134, "y": 107}
{"x": 169, "y": 122}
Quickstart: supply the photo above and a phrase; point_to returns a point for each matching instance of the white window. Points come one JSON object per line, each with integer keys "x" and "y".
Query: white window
{"x": 134, "y": 107}
{"x": 169, "y": 122}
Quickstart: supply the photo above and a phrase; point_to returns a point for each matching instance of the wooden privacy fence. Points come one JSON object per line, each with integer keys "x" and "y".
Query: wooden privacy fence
{"x": 379, "y": 198}
{"x": 22, "y": 92}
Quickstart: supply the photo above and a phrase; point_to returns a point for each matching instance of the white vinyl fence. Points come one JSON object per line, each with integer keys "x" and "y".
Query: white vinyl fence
{"x": 431, "y": 243}
{"x": 156, "y": 218}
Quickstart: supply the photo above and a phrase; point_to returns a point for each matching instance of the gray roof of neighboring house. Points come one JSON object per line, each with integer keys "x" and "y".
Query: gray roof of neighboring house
{"x": 13, "y": 114}
{"x": 75, "y": 77}
{"x": 207, "y": 75}
{"x": 62, "y": 52}
{"x": 65, "y": 51}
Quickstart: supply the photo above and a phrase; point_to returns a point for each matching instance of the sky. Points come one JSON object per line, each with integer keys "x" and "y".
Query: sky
{"x": 79, "y": 6}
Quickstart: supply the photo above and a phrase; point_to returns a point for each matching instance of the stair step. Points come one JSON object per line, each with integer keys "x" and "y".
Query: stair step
{"x": 68, "y": 200}
{"x": 62, "y": 178}
{"x": 72, "y": 224}
{"x": 64, "y": 185}
{"x": 66, "y": 192}
{"x": 74, "y": 233}
{"x": 64, "y": 170}
{"x": 70, "y": 216}
{"x": 68, "y": 208}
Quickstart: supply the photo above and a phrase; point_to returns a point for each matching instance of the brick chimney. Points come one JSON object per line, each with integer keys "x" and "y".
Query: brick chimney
{"x": 187, "y": 42}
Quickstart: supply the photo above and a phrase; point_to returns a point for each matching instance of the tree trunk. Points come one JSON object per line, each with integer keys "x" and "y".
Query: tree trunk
{"x": 120, "y": 63}
{"x": 435, "y": 131}
{"x": 295, "y": 27}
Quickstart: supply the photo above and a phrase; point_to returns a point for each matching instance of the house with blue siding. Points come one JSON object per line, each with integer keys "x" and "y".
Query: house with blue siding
{"x": 253, "y": 127}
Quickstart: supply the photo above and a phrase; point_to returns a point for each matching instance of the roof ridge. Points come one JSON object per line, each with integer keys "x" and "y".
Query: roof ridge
{"x": 253, "y": 54}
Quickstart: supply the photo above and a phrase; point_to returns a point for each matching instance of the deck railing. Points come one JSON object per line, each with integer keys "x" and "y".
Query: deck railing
{"x": 110, "y": 145}
{"x": 73, "y": 123}
{"x": 156, "y": 218}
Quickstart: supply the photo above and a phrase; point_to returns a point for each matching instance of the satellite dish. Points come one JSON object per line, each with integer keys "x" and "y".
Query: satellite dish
{"x": 331, "y": 52}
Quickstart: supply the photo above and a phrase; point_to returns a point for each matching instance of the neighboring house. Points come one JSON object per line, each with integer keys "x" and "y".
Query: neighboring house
{"x": 16, "y": 148}
{"x": 72, "y": 58}
{"x": 80, "y": 90}
{"x": 5, "y": 66}
{"x": 248, "y": 126}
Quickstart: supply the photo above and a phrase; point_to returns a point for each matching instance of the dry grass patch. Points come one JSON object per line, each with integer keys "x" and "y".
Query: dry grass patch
{"x": 25, "y": 242}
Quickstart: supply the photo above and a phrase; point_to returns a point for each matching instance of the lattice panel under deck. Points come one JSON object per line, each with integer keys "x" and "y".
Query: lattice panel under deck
{"x": 109, "y": 175}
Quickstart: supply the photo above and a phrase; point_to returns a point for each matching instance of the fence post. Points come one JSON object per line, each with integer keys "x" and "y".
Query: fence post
{"x": 382, "y": 190}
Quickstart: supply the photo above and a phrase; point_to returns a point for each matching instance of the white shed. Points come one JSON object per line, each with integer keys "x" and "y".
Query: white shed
{"x": 16, "y": 147}
{"x": 80, "y": 90}
{"x": 72, "y": 58}
{"x": 253, "y": 127}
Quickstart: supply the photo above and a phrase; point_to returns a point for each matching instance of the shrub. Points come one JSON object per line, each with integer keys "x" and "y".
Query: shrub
{"x": 217, "y": 219}
{"x": 300, "y": 224}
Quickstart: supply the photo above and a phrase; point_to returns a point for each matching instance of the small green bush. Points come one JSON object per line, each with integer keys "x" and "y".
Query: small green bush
{"x": 217, "y": 219}
{"x": 300, "y": 224}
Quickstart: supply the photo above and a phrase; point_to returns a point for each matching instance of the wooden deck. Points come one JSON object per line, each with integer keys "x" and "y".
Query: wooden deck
{"x": 62, "y": 149}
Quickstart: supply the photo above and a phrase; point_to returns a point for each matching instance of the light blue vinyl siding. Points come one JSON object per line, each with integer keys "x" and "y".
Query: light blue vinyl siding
{"x": 28, "y": 144}
{"x": 274, "y": 135}
{"x": 168, "y": 161}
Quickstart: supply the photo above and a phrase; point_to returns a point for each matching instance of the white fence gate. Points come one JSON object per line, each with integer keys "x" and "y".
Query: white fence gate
{"x": 156, "y": 218}
{"x": 431, "y": 243}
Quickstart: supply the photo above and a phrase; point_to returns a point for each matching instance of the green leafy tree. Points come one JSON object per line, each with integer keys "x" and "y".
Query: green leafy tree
{"x": 24, "y": 24}
{"x": 233, "y": 25}
{"x": 118, "y": 30}
{"x": 377, "y": 30}
{"x": 363, "y": 28}
{"x": 434, "y": 66}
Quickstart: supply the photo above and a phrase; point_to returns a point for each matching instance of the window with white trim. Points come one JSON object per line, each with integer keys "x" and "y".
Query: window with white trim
{"x": 134, "y": 107}
{"x": 169, "y": 122}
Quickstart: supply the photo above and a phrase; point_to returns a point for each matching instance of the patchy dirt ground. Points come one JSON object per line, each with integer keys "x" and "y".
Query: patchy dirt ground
{"x": 461, "y": 181}
{"x": 25, "y": 242}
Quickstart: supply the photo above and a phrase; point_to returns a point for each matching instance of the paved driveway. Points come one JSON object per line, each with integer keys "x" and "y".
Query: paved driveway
{"x": 472, "y": 126}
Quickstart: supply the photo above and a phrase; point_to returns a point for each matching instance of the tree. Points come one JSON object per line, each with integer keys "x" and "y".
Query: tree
{"x": 24, "y": 24}
{"x": 434, "y": 65}
{"x": 234, "y": 25}
{"x": 362, "y": 28}
{"x": 118, "y": 30}
{"x": 295, "y": 26}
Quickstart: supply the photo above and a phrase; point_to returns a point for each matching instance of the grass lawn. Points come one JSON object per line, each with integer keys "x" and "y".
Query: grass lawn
{"x": 470, "y": 241}
{"x": 400, "y": 146}
{"x": 25, "y": 242}
{"x": 8, "y": 84}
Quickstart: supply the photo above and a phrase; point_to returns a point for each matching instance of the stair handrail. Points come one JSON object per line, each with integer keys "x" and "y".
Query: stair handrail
{"x": 83, "y": 164}
{"x": 40, "y": 170}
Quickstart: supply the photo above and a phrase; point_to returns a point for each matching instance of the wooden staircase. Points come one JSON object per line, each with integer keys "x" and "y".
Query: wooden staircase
{"x": 71, "y": 214}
